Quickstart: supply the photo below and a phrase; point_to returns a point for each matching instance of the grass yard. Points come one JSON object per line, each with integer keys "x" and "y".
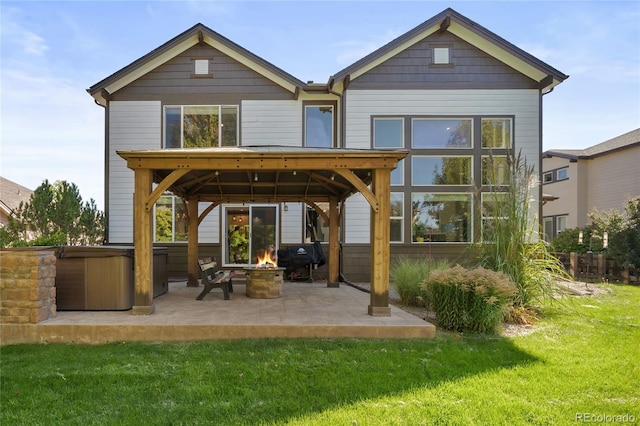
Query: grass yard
{"x": 581, "y": 363}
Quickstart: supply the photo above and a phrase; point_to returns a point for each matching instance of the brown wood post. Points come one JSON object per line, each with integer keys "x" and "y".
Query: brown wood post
{"x": 334, "y": 244}
{"x": 192, "y": 244}
{"x": 380, "y": 250}
{"x": 143, "y": 243}
{"x": 602, "y": 266}
{"x": 573, "y": 264}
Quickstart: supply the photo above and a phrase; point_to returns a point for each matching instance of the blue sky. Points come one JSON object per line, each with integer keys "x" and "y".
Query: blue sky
{"x": 51, "y": 52}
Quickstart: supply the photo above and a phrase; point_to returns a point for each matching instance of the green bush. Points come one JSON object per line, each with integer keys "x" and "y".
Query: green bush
{"x": 408, "y": 275}
{"x": 469, "y": 300}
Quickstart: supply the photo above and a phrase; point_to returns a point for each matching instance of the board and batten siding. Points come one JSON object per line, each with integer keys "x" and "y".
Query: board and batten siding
{"x": 271, "y": 123}
{"x": 523, "y": 104}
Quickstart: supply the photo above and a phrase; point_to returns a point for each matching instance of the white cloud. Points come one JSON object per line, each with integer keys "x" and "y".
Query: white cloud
{"x": 15, "y": 34}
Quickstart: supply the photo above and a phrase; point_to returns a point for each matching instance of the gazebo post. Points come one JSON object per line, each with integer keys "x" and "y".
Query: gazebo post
{"x": 192, "y": 243}
{"x": 143, "y": 243}
{"x": 334, "y": 244}
{"x": 380, "y": 249}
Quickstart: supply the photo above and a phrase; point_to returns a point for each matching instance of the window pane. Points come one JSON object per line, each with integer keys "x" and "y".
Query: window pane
{"x": 200, "y": 126}
{"x": 562, "y": 174}
{"x": 493, "y": 213}
{"x": 441, "y": 217}
{"x": 397, "y": 174}
{"x": 495, "y": 170}
{"x": 561, "y": 224}
{"x": 547, "y": 226}
{"x": 441, "y": 133}
{"x": 319, "y": 126}
{"x": 180, "y": 220}
{"x": 440, "y": 170}
{"x": 496, "y": 133}
{"x": 387, "y": 133}
{"x": 396, "y": 215}
{"x": 317, "y": 228}
{"x": 172, "y": 127}
{"x": 395, "y": 231}
{"x": 229, "y": 126}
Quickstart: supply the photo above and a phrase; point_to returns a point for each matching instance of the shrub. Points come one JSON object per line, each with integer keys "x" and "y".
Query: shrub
{"x": 470, "y": 300}
{"x": 408, "y": 275}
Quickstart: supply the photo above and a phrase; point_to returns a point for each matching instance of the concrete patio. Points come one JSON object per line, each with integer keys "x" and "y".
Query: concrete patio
{"x": 305, "y": 310}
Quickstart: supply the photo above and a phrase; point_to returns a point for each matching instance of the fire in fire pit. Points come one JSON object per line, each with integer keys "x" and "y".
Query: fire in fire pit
{"x": 267, "y": 260}
{"x": 264, "y": 281}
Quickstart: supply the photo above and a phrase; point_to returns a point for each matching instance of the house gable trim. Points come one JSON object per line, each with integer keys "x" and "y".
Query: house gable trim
{"x": 197, "y": 35}
{"x": 469, "y": 31}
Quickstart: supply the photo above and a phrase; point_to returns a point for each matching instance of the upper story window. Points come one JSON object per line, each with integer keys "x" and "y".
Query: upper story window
{"x": 547, "y": 177}
{"x": 200, "y": 126}
{"x": 562, "y": 174}
{"x": 318, "y": 126}
{"x": 201, "y": 67}
{"x": 439, "y": 133}
{"x": 441, "y": 55}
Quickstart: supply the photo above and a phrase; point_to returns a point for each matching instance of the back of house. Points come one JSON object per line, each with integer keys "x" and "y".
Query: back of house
{"x": 456, "y": 96}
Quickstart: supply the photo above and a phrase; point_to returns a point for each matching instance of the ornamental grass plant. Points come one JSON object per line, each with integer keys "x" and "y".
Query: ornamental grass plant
{"x": 408, "y": 275}
{"x": 511, "y": 240}
{"x": 470, "y": 300}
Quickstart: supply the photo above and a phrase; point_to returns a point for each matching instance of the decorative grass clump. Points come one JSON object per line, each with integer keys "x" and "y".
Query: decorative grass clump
{"x": 408, "y": 275}
{"x": 470, "y": 300}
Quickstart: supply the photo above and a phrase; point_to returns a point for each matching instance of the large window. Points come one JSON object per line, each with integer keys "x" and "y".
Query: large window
{"x": 428, "y": 170}
{"x": 170, "y": 219}
{"x": 441, "y": 133}
{"x": 200, "y": 126}
{"x": 318, "y": 126}
{"x": 441, "y": 217}
{"x": 452, "y": 161}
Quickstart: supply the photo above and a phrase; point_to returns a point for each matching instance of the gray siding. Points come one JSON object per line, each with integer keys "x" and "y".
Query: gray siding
{"x": 471, "y": 69}
{"x": 173, "y": 82}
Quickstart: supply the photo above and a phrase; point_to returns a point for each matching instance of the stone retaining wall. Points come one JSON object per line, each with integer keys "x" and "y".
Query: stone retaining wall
{"x": 27, "y": 286}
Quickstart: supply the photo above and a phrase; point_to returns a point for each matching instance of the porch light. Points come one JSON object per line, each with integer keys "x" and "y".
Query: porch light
{"x": 255, "y": 177}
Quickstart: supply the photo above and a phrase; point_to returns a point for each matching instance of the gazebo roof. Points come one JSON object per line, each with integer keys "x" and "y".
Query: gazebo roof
{"x": 263, "y": 173}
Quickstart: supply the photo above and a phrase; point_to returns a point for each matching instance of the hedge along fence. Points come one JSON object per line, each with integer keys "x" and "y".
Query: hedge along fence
{"x": 595, "y": 267}
{"x": 470, "y": 300}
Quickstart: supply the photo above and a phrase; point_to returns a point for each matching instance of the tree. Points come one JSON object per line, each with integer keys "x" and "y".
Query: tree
{"x": 55, "y": 215}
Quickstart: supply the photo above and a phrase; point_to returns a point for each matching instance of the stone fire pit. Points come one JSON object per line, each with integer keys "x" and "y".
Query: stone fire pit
{"x": 264, "y": 283}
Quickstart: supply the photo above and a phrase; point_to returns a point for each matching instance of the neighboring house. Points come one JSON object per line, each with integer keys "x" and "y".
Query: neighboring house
{"x": 601, "y": 177}
{"x": 11, "y": 195}
{"x": 449, "y": 91}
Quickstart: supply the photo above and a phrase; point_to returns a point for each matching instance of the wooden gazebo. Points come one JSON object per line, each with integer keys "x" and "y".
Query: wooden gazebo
{"x": 263, "y": 174}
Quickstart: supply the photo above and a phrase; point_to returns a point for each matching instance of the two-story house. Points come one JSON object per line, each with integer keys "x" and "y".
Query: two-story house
{"x": 449, "y": 92}
{"x": 602, "y": 177}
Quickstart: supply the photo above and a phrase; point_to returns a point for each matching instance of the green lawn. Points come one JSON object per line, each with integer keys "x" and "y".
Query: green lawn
{"x": 582, "y": 360}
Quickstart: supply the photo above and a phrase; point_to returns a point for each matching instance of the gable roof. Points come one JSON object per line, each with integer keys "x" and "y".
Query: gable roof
{"x": 467, "y": 30}
{"x": 625, "y": 141}
{"x": 198, "y": 34}
{"x": 11, "y": 194}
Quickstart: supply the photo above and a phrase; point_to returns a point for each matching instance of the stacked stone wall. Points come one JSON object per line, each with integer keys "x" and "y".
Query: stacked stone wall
{"x": 27, "y": 286}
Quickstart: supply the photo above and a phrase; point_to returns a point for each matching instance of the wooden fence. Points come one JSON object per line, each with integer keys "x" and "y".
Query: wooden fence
{"x": 595, "y": 267}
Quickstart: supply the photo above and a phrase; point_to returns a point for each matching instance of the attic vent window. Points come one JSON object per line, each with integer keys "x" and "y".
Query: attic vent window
{"x": 201, "y": 66}
{"x": 441, "y": 55}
